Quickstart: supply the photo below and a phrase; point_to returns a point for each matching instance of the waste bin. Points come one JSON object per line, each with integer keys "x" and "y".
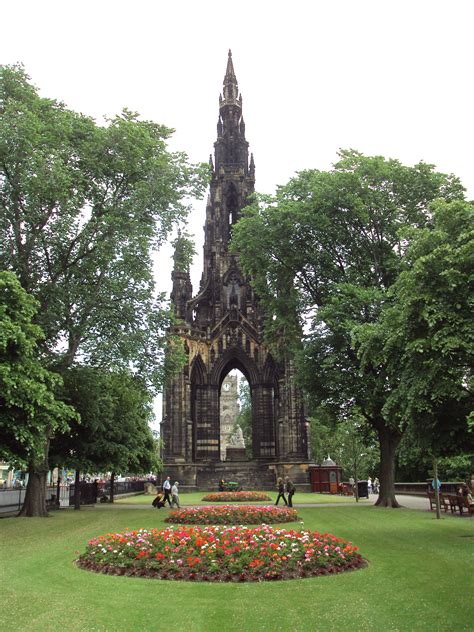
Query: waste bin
{"x": 363, "y": 489}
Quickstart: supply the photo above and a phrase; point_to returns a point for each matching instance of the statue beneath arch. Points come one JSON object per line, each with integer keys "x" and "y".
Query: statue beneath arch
{"x": 222, "y": 329}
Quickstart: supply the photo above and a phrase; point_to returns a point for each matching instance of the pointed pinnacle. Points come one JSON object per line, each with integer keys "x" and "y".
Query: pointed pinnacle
{"x": 229, "y": 74}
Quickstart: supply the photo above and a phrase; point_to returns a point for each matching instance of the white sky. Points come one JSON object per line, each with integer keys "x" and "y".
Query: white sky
{"x": 389, "y": 77}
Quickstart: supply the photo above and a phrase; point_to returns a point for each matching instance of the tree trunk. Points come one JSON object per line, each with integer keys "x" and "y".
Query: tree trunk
{"x": 356, "y": 478}
{"x": 436, "y": 486}
{"x": 112, "y": 483}
{"x": 77, "y": 490}
{"x": 389, "y": 441}
{"x": 35, "y": 498}
{"x": 58, "y": 489}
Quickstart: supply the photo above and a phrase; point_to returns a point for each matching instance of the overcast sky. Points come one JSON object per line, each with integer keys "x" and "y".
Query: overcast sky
{"x": 389, "y": 77}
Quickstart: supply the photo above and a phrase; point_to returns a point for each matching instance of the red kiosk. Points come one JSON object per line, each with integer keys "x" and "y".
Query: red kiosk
{"x": 325, "y": 478}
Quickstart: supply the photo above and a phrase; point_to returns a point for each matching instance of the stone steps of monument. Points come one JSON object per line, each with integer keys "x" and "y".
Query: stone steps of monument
{"x": 249, "y": 476}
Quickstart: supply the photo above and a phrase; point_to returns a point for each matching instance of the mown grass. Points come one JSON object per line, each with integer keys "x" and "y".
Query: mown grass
{"x": 196, "y": 498}
{"x": 419, "y": 578}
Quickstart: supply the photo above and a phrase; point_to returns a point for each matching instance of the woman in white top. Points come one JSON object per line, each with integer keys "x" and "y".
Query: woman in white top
{"x": 175, "y": 495}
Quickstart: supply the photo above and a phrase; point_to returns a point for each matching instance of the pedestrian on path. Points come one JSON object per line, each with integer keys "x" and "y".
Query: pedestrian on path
{"x": 290, "y": 490}
{"x": 281, "y": 491}
{"x": 175, "y": 495}
{"x": 158, "y": 501}
{"x": 167, "y": 490}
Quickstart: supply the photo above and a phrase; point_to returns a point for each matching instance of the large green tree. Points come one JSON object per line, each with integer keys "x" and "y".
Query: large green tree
{"x": 113, "y": 433}
{"x": 29, "y": 409}
{"x": 83, "y": 209}
{"x": 424, "y": 335}
{"x": 322, "y": 254}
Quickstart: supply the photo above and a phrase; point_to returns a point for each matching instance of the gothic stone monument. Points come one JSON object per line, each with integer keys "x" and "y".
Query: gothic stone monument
{"x": 222, "y": 329}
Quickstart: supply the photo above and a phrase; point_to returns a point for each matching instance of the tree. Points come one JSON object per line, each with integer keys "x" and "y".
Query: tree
{"x": 350, "y": 443}
{"x": 424, "y": 334}
{"x": 83, "y": 208}
{"x": 415, "y": 462}
{"x": 29, "y": 409}
{"x": 113, "y": 433}
{"x": 322, "y": 254}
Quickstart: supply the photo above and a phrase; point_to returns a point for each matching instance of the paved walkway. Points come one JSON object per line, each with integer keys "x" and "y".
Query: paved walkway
{"x": 409, "y": 502}
{"x": 419, "y": 503}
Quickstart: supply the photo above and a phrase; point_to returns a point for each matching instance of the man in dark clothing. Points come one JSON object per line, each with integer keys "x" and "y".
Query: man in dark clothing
{"x": 281, "y": 491}
{"x": 290, "y": 490}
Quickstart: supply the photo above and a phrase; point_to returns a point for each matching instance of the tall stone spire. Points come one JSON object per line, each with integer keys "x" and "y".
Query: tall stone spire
{"x": 231, "y": 148}
{"x": 231, "y": 87}
{"x": 221, "y": 328}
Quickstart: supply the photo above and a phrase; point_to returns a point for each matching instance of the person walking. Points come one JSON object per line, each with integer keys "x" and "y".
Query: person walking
{"x": 281, "y": 491}
{"x": 376, "y": 485}
{"x": 159, "y": 500}
{"x": 290, "y": 489}
{"x": 175, "y": 495}
{"x": 167, "y": 490}
{"x": 369, "y": 485}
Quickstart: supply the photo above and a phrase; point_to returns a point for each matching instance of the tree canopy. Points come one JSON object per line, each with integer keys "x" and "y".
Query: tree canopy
{"x": 322, "y": 255}
{"x": 113, "y": 433}
{"x": 424, "y": 334}
{"x": 28, "y": 405}
{"x": 84, "y": 207}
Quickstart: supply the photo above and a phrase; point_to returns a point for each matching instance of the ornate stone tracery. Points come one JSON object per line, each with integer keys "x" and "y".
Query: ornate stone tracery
{"x": 222, "y": 327}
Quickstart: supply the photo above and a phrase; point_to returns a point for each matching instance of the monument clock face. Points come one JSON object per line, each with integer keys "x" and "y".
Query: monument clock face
{"x": 226, "y": 386}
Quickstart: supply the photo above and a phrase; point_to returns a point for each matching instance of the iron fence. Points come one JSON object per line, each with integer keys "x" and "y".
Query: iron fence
{"x": 12, "y": 499}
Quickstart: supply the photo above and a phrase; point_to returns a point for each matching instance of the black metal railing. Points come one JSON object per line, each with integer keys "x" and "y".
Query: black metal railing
{"x": 12, "y": 499}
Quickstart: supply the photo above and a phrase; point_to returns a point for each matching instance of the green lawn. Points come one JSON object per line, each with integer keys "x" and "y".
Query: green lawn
{"x": 195, "y": 498}
{"x": 419, "y": 578}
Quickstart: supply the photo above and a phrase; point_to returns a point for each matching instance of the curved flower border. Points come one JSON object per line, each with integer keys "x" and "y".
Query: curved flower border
{"x": 222, "y": 554}
{"x": 236, "y": 497}
{"x": 232, "y": 514}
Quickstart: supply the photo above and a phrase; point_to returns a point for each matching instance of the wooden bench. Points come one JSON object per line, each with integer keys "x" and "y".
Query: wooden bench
{"x": 463, "y": 503}
{"x": 443, "y": 501}
{"x": 455, "y": 503}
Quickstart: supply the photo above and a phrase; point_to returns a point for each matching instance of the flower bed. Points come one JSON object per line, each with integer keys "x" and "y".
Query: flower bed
{"x": 236, "y": 497}
{"x": 232, "y": 514}
{"x": 217, "y": 553}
